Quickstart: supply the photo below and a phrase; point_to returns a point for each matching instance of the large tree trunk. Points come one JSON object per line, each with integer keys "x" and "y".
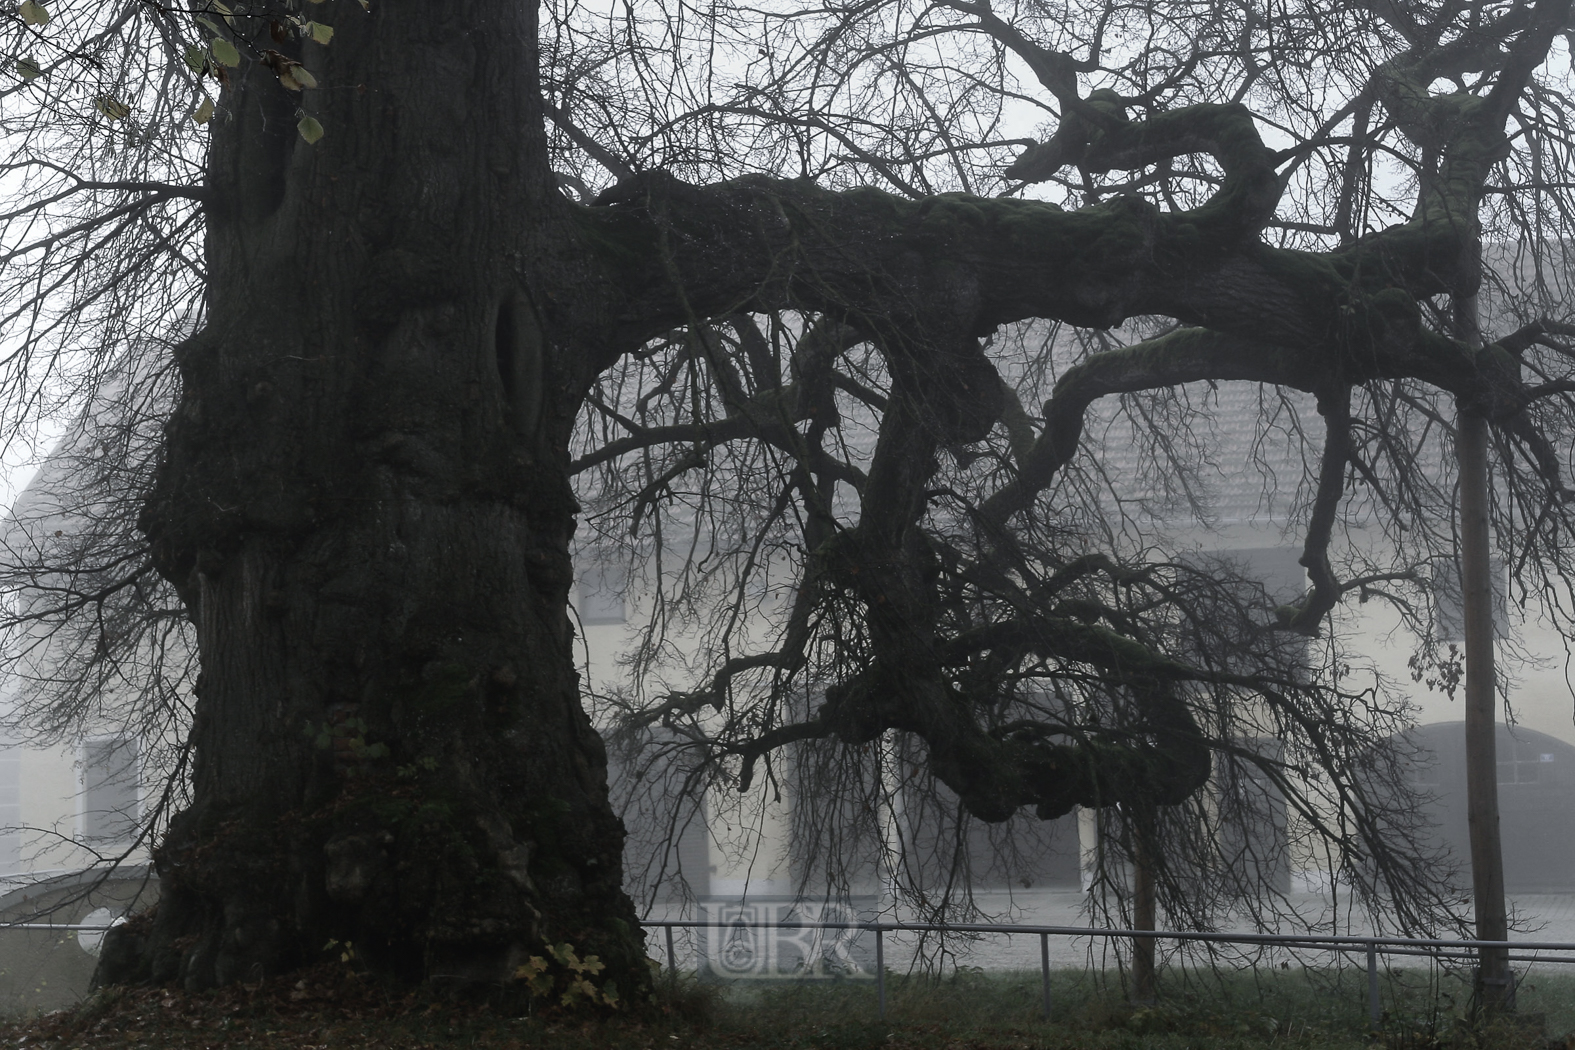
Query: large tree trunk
{"x": 365, "y": 505}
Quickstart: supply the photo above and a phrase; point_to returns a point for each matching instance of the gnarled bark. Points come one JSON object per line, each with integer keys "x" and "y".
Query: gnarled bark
{"x": 364, "y": 503}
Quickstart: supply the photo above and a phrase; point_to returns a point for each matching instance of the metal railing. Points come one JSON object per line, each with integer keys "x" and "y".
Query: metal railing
{"x": 1372, "y": 947}
{"x": 1433, "y": 948}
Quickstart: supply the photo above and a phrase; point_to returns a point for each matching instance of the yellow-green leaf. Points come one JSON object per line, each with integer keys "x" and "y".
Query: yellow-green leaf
{"x": 204, "y": 112}
{"x": 288, "y": 81}
{"x": 111, "y": 107}
{"x": 220, "y": 7}
{"x": 196, "y": 59}
{"x": 303, "y": 77}
{"x": 27, "y": 68}
{"x": 225, "y": 52}
{"x": 33, "y": 13}
{"x": 213, "y": 26}
{"x": 319, "y": 32}
{"x": 310, "y": 130}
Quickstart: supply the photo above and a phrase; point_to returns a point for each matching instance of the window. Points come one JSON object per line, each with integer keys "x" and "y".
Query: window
{"x": 1521, "y": 761}
{"x": 110, "y": 795}
{"x": 1278, "y": 569}
{"x": 10, "y": 809}
{"x": 601, "y": 596}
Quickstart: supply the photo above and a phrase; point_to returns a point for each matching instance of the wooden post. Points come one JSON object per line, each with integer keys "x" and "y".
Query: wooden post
{"x": 1495, "y": 985}
{"x": 1143, "y": 918}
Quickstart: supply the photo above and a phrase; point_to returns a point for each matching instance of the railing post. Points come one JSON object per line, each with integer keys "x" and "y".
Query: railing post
{"x": 1374, "y": 1006}
{"x": 672, "y": 960}
{"x": 880, "y": 970}
{"x": 1044, "y": 969}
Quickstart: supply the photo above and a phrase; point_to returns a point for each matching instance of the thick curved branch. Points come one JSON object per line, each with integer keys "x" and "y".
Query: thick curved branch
{"x": 1306, "y": 616}
{"x": 1055, "y": 70}
{"x": 1538, "y": 333}
{"x": 1158, "y": 758}
{"x": 758, "y": 243}
{"x": 1184, "y": 356}
{"x": 958, "y": 264}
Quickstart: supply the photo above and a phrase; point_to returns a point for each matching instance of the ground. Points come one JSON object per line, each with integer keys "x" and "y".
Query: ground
{"x": 332, "y": 1007}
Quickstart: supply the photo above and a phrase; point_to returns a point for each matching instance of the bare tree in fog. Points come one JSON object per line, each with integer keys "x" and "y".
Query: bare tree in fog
{"x": 982, "y": 615}
{"x": 779, "y": 291}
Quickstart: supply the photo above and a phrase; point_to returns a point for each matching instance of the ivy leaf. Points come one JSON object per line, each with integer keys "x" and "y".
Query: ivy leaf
{"x": 225, "y": 52}
{"x": 318, "y": 32}
{"x": 111, "y": 107}
{"x": 33, "y": 13}
{"x": 310, "y": 130}
{"x": 27, "y": 68}
{"x": 204, "y": 112}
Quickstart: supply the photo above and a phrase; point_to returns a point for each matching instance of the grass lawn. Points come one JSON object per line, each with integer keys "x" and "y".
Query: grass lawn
{"x": 1198, "y": 1010}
